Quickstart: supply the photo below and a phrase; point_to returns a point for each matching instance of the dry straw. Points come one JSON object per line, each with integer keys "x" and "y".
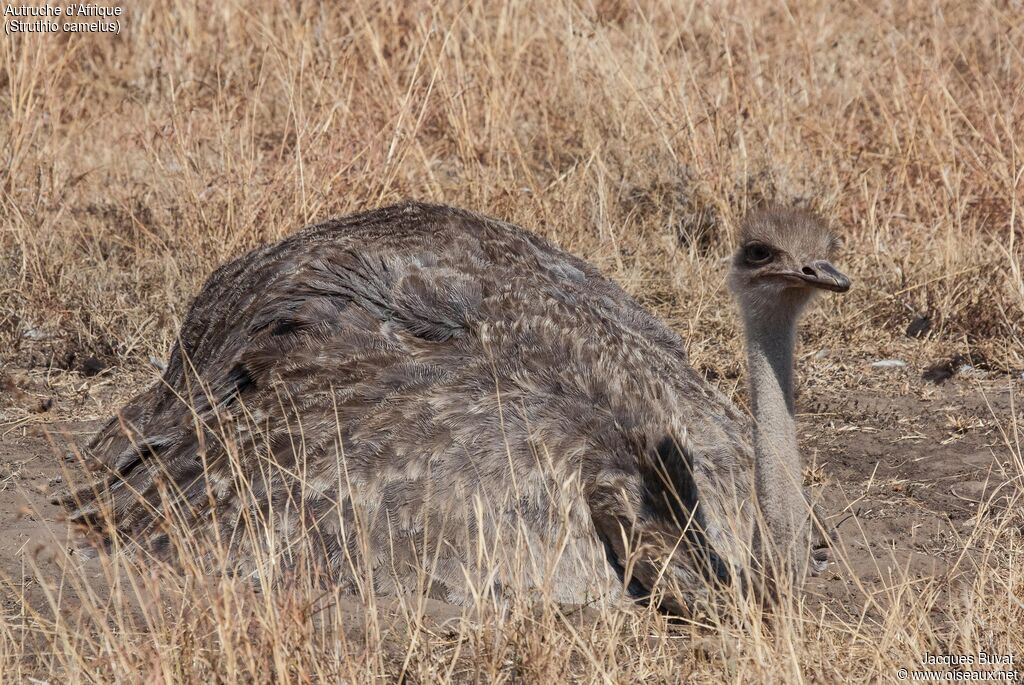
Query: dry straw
{"x": 633, "y": 134}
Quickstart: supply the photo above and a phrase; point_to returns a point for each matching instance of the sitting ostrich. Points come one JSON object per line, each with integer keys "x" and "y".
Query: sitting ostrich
{"x": 406, "y": 387}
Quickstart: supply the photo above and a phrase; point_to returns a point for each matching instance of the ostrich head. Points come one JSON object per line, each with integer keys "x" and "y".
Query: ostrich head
{"x": 783, "y": 259}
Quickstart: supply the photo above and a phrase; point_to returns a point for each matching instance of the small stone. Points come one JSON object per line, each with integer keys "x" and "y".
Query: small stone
{"x": 888, "y": 364}
{"x": 939, "y": 373}
{"x": 919, "y": 327}
{"x": 92, "y": 366}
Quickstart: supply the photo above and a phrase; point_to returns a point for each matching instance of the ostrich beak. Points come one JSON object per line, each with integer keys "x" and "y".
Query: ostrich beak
{"x": 821, "y": 274}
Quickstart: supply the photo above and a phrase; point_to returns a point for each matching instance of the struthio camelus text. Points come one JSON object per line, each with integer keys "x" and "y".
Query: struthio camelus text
{"x": 428, "y": 397}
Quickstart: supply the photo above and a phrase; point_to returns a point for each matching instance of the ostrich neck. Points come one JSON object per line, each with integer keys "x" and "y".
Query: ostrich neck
{"x": 778, "y": 485}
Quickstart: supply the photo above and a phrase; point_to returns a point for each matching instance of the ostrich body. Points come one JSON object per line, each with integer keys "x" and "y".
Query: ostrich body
{"x": 432, "y": 397}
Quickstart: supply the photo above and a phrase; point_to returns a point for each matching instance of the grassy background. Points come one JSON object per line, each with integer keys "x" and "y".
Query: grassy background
{"x": 633, "y": 133}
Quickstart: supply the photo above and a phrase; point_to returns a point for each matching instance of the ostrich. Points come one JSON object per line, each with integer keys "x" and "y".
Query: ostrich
{"x": 406, "y": 387}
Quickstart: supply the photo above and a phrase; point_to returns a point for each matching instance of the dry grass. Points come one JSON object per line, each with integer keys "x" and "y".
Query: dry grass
{"x": 632, "y": 133}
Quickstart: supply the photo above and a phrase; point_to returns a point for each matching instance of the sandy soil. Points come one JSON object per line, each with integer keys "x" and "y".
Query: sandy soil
{"x": 914, "y": 461}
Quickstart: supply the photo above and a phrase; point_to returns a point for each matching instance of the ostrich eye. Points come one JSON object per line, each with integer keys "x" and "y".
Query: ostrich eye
{"x": 756, "y": 254}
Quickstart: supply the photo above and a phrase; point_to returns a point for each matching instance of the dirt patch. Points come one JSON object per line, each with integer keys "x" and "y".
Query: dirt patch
{"x": 906, "y": 478}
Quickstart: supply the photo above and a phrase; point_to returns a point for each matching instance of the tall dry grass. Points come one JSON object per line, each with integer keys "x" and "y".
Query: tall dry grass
{"x": 633, "y": 134}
